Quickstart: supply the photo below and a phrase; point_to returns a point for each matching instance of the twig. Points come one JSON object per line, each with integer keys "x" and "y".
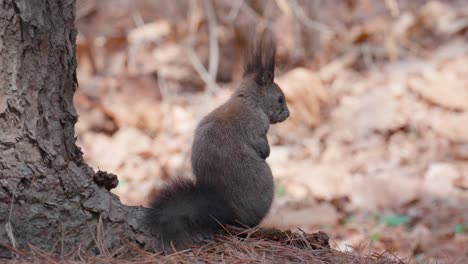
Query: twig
{"x": 163, "y": 89}
{"x": 61, "y": 239}
{"x": 100, "y": 237}
{"x": 139, "y": 22}
{"x": 194, "y": 20}
{"x": 9, "y": 227}
{"x": 265, "y": 17}
{"x": 296, "y": 8}
{"x": 252, "y": 13}
{"x": 235, "y": 10}
{"x": 214, "y": 47}
{"x": 133, "y": 49}
{"x": 198, "y": 66}
{"x": 86, "y": 11}
{"x": 206, "y": 75}
{"x": 289, "y": 9}
{"x": 393, "y": 6}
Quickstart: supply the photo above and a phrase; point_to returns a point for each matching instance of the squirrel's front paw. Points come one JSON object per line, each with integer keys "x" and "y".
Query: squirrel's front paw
{"x": 264, "y": 152}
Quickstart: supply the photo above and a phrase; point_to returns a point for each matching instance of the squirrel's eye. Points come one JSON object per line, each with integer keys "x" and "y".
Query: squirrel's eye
{"x": 281, "y": 99}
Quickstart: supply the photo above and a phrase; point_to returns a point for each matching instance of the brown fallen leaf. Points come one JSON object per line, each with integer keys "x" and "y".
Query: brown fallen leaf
{"x": 461, "y": 151}
{"x": 439, "y": 178}
{"x": 380, "y": 191}
{"x": 453, "y": 126}
{"x": 150, "y": 32}
{"x": 441, "y": 89}
{"x": 307, "y": 216}
{"x": 376, "y": 111}
{"x": 305, "y": 95}
{"x": 442, "y": 17}
{"x": 461, "y": 182}
{"x": 171, "y": 61}
{"x": 329, "y": 71}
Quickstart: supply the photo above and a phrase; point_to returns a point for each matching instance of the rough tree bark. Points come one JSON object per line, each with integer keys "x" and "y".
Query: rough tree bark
{"x": 49, "y": 197}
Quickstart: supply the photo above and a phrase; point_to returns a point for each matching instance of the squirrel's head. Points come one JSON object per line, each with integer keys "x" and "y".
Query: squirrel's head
{"x": 259, "y": 73}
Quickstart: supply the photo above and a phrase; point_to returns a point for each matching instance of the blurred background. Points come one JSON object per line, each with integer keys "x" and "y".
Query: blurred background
{"x": 375, "y": 152}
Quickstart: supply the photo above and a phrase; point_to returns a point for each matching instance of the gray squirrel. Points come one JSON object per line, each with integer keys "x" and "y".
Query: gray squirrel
{"x": 233, "y": 183}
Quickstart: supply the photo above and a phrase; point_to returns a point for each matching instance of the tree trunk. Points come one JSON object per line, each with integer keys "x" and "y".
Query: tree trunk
{"x": 49, "y": 197}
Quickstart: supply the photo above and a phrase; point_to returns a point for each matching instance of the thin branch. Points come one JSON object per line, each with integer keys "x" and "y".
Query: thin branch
{"x": 138, "y": 19}
{"x": 392, "y": 5}
{"x": 86, "y": 11}
{"x": 208, "y": 76}
{"x": 9, "y": 227}
{"x": 162, "y": 83}
{"x": 235, "y": 10}
{"x": 307, "y": 21}
{"x": 214, "y": 47}
{"x": 194, "y": 20}
{"x": 200, "y": 69}
{"x": 288, "y": 8}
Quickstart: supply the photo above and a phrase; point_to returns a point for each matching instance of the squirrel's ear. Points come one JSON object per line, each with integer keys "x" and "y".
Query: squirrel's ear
{"x": 260, "y": 59}
{"x": 267, "y": 77}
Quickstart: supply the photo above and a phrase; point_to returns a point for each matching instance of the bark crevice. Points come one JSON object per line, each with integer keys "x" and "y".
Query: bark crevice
{"x": 43, "y": 176}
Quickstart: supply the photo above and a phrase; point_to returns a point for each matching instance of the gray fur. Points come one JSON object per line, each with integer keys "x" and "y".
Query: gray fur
{"x": 230, "y": 145}
{"x": 234, "y": 184}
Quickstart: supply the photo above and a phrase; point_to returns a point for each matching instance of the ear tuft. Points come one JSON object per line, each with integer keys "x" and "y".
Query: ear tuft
{"x": 260, "y": 59}
{"x": 267, "y": 77}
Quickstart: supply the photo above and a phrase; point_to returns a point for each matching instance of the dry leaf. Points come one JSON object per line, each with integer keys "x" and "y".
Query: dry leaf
{"x": 440, "y": 177}
{"x": 442, "y": 89}
{"x": 376, "y": 192}
{"x": 324, "y": 181}
{"x": 307, "y": 216}
{"x": 376, "y": 111}
{"x": 305, "y": 95}
{"x": 453, "y": 126}
{"x": 151, "y": 32}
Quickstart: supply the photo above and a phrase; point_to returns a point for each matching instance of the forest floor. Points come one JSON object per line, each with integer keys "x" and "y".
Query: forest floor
{"x": 375, "y": 152}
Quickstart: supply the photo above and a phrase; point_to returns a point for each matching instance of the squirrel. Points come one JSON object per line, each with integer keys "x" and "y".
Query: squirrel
{"x": 233, "y": 182}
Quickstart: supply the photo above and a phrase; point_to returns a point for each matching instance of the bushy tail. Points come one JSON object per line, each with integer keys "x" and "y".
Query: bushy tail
{"x": 185, "y": 212}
